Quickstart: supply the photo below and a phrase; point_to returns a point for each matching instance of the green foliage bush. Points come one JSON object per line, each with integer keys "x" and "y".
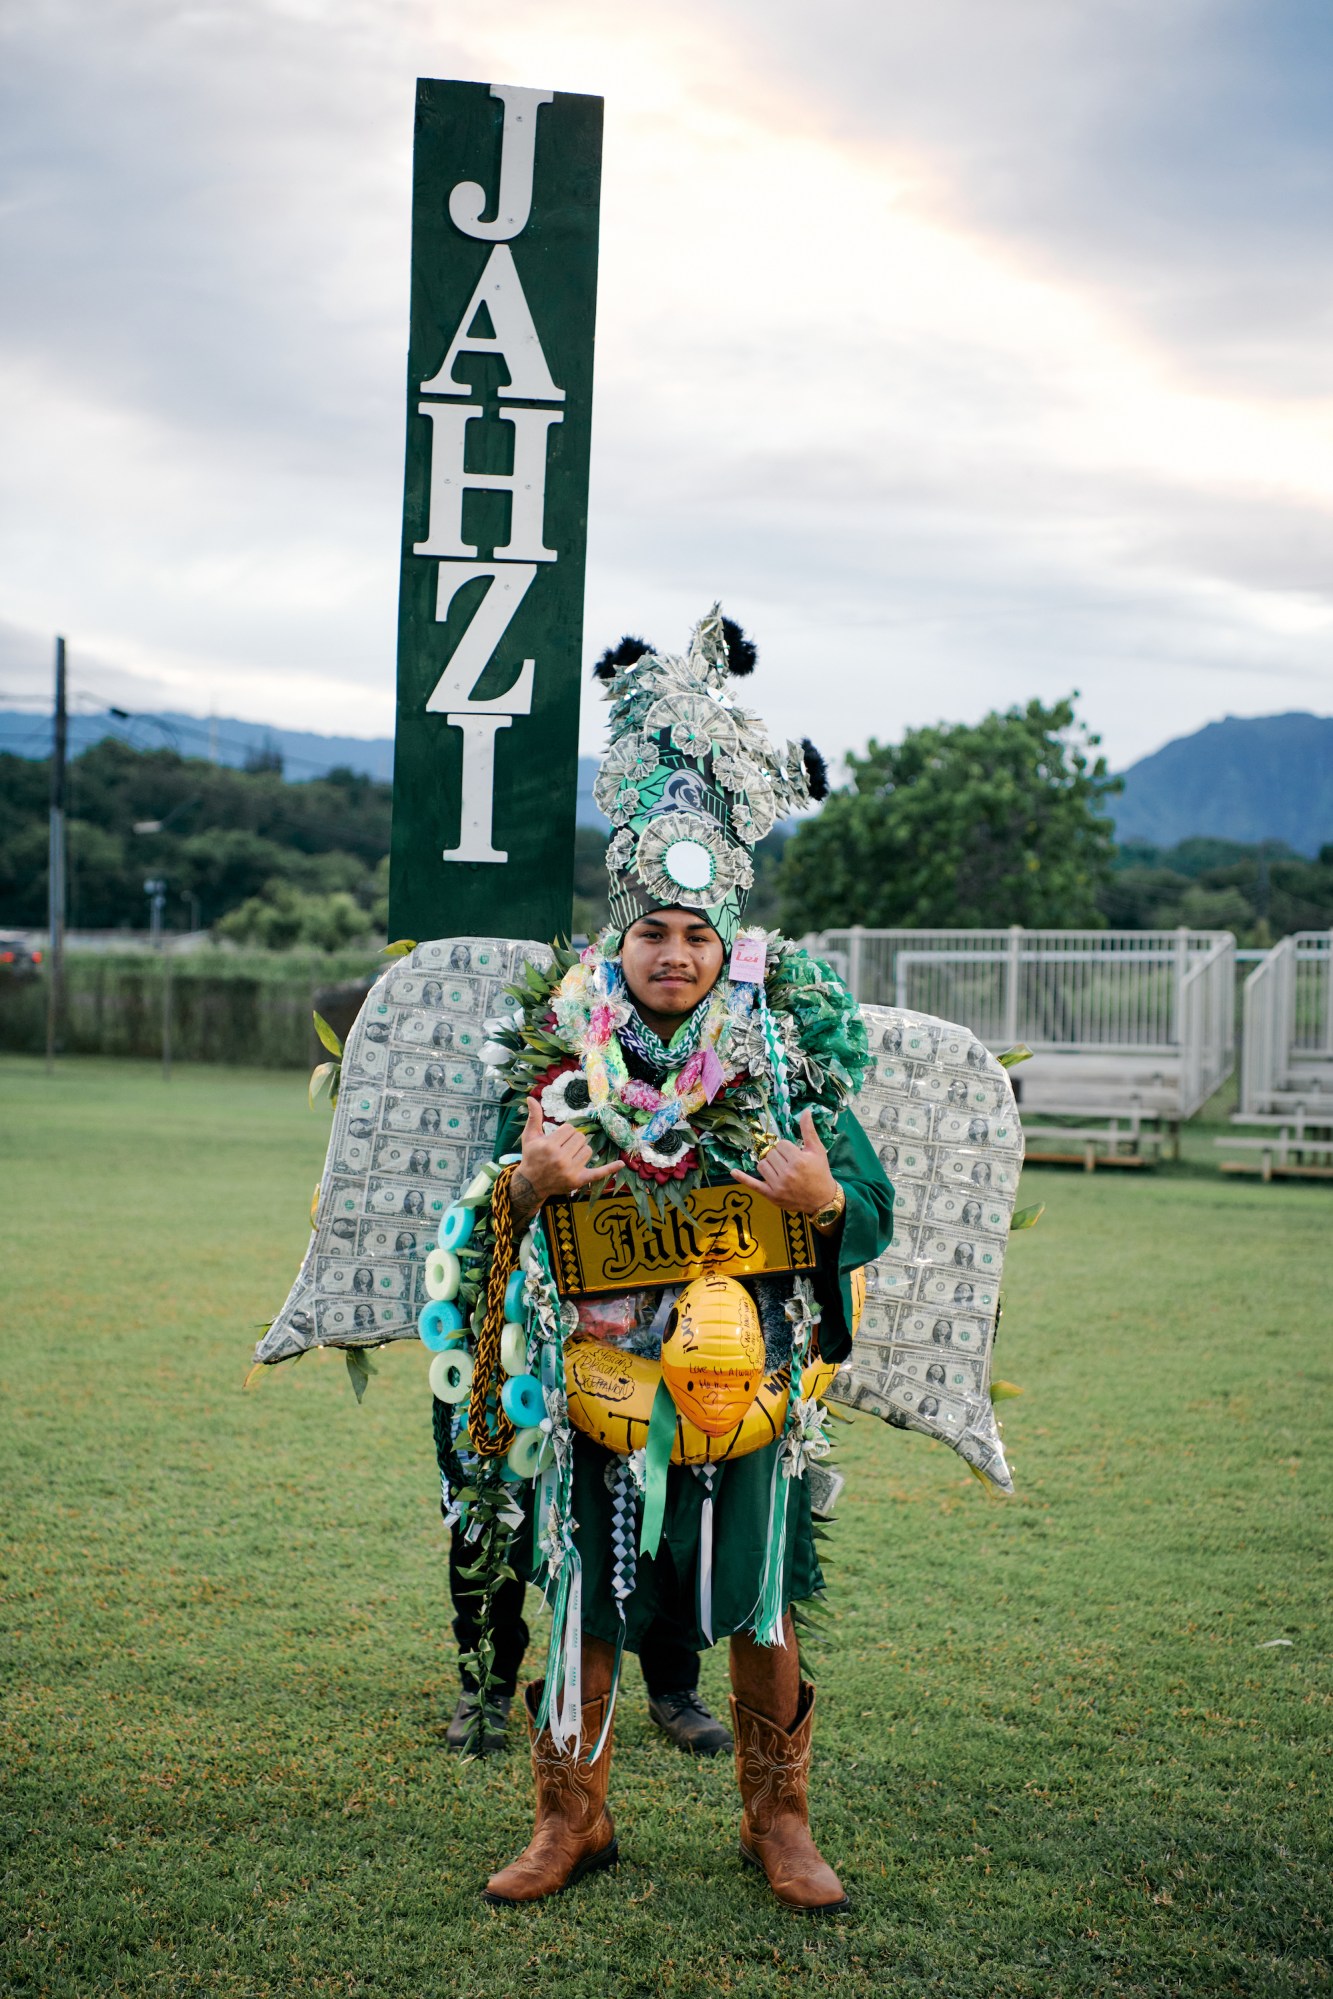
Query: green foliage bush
{"x": 284, "y": 917}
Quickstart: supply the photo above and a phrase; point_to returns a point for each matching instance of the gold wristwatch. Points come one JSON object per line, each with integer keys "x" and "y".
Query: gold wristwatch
{"x": 830, "y": 1212}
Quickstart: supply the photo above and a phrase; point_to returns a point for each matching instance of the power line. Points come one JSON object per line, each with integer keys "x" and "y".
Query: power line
{"x": 120, "y": 723}
{"x": 207, "y": 731}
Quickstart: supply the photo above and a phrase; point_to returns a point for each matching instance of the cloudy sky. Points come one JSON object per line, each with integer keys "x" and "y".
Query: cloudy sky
{"x": 968, "y": 352}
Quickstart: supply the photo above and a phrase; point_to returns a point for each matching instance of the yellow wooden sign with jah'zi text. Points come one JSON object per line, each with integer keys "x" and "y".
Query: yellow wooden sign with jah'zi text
{"x": 607, "y": 1245}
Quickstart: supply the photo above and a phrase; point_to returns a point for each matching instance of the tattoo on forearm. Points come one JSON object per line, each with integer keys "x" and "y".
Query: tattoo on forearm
{"x": 524, "y": 1199}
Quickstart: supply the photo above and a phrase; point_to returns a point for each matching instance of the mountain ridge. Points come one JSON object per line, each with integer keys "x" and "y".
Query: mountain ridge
{"x": 1244, "y": 778}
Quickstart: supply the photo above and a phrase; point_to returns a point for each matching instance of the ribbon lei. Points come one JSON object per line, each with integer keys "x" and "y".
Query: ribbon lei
{"x": 787, "y": 1464}
{"x": 768, "y": 1611}
{"x": 661, "y": 1436}
{"x": 624, "y": 1571}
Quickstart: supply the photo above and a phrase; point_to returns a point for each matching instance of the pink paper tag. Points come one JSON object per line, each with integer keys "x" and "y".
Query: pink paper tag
{"x": 747, "y": 960}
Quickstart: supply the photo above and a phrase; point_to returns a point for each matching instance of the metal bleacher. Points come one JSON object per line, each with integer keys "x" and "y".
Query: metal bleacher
{"x": 1286, "y": 1076}
{"x": 1135, "y": 1029}
{"x": 1287, "y": 1062}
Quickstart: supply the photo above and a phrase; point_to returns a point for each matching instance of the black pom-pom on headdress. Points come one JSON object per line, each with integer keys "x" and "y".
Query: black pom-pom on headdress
{"x": 742, "y": 653}
{"x": 816, "y": 770}
{"x": 625, "y": 654}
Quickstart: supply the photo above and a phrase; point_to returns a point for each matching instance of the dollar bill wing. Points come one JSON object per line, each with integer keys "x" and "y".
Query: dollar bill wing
{"x": 416, "y": 1114}
{"x": 940, "y": 1112}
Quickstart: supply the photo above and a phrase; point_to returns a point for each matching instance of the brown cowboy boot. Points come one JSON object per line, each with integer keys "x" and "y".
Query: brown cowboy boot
{"x": 573, "y": 1834}
{"x": 773, "y": 1770}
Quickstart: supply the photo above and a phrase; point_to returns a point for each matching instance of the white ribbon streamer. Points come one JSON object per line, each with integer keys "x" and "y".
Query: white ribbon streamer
{"x": 706, "y": 1472}
{"x": 567, "y": 1718}
{"x": 545, "y": 1497}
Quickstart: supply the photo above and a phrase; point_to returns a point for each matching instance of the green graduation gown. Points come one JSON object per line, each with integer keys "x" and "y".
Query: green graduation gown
{"x": 668, "y": 1583}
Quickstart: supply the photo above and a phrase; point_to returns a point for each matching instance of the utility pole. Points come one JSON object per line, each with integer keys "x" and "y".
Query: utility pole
{"x": 1262, "y": 896}
{"x": 156, "y": 891}
{"x": 55, "y": 900}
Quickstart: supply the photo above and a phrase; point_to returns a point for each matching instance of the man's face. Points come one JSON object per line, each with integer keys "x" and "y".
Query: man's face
{"x": 670, "y": 960}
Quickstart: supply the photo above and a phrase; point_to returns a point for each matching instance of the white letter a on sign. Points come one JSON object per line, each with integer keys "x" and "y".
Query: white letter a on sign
{"x": 514, "y": 339}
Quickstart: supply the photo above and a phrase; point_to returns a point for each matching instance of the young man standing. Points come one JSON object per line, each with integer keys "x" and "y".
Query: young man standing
{"x": 682, "y": 1049}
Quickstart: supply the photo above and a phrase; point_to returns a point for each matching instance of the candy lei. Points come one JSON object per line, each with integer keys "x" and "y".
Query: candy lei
{"x": 590, "y": 1004}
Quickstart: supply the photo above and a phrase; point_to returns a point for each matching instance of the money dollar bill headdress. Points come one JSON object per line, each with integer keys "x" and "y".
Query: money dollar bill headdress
{"x": 691, "y": 781}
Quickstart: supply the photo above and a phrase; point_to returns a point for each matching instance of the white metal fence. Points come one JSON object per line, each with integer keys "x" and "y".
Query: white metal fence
{"x": 1126, "y": 1018}
{"x": 1287, "y": 1057}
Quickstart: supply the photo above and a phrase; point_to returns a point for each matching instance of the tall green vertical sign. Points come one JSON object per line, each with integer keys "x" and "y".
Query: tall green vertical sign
{"x": 495, "y": 510}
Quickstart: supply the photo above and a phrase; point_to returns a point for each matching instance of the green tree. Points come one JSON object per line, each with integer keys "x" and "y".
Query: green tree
{"x": 1214, "y": 909}
{"x": 969, "y": 825}
{"x": 1143, "y": 898}
{"x": 591, "y": 908}
{"x": 284, "y": 917}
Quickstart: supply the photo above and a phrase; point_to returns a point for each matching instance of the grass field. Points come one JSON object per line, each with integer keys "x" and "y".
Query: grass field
{"x": 1057, "y": 1749}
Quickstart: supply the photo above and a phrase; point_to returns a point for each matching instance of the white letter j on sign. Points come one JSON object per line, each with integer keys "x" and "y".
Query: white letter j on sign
{"x": 467, "y": 202}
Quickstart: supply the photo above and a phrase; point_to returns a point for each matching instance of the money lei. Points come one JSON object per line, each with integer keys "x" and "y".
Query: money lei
{"x": 549, "y": 1318}
{"x": 780, "y": 1102}
{"x": 789, "y": 1463}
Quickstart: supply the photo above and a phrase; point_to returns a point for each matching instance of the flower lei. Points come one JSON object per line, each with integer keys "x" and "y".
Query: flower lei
{"x": 590, "y": 1005}
{"x": 742, "y": 1055}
